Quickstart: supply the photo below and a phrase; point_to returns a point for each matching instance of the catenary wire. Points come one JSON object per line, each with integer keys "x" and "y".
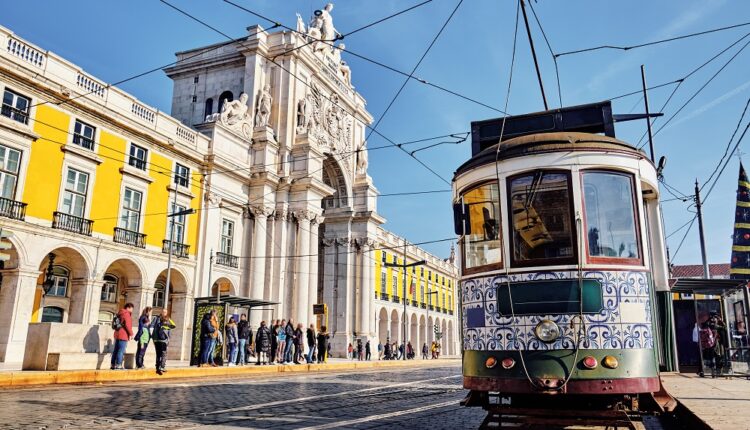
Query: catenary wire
{"x": 729, "y": 143}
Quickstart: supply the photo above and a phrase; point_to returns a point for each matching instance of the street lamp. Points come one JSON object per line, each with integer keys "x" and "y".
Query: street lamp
{"x": 403, "y": 267}
{"x": 171, "y": 244}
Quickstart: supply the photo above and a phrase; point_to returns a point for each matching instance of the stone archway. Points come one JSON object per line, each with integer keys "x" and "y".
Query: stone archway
{"x": 422, "y": 332}
{"x": 70, "y": 291}
{"x": 395, "y": 327}
{"x": 430, "y": 330}
{"x": 179, "y": 307}
{"x": 444, "y": 340}
{"x": 225, "y": 286}
{"x": 414, "y": 333}
{"x": 334, "y": 177}
{"x": 118, "y": 283}
{"x": 383, "y": 326}
{"x": 451, "y": 339}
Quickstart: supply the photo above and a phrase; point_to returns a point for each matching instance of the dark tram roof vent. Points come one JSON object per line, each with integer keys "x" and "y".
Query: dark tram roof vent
{"x": 589, "y": 118}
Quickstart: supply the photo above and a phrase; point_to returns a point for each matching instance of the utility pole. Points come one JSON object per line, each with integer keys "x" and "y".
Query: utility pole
{"x": 533, "y": 53}
{"x": 706, "y": 272}
{"x": 648, "y": 116}
{"x": 171, "y": 243}
{"x": 210, "y": 272}
{"x": 404, "y": 267}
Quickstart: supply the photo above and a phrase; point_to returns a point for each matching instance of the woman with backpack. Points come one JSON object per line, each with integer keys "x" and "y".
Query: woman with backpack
{"x": 143, "y": 336}
{"x": 161, "y": 327}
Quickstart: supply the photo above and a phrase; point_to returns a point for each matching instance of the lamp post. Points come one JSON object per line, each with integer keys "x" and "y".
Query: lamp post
{"x": 171, "y": 243}
{"x": 403, "y": 267}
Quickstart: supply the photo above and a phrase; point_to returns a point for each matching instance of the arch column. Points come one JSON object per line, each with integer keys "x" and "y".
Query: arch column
{"x": 302, "y": 291}
{"x": 279, "y": 279}
{"x": 85, "y": 297}
{"x": 16, "y": 307}
{"x": 366, "y": 302}
{"x": 181, "y": 313}
{"x": 260, "y": 214}
{"x": 312, "y": 294}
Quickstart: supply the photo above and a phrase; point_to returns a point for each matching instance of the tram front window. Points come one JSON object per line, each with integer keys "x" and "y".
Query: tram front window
{"x": 482, "y": 242}
{"x": 542, "y": 229}
{"x": 610, "y": 215}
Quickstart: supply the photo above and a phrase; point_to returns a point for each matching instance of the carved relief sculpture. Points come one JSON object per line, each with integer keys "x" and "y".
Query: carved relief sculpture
{"x": 235, "y": 115}
{"x": 362, "y": 159}
{"x": 264, "y": 107}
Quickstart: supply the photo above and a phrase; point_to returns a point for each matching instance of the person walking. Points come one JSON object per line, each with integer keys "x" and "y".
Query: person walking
{"x": 360, "y": 353}
{"x": 274, "y": 341}
{"x": 350, "y": 351}
{"x": 310, "y": 335}
{"x": 122, "y": 324}
{"x": 215, "y": 339}
{"x": 288, "y": 352}
{"x": 161, "y": 329}
{"x": 424, "y": 351}
{"x": 243, "y": 334}
{"x": 368, "y": 353}
{"x": 409, "y": 351}
{"x": 322, "y": 344}
{"x": 232, "y": 340}
{"x": 387, "y": 351}
{"x": 281, "y": 340}
{"x": 401, "y": 351}
{"x": 142, "y": 336}
{"x": 207, "y": 330}
{"x": 380, "y": 350}
{"x": 299, "y": 343}
{"x": 263, "y": 344}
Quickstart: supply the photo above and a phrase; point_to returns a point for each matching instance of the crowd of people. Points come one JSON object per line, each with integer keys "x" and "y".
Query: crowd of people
{"x": 284, "y": 342}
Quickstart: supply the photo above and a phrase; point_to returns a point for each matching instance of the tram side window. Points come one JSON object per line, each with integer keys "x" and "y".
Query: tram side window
{"x": 482, "y": 243}
{"x": 542, "y": 229}
{"x": 610, "y": 215}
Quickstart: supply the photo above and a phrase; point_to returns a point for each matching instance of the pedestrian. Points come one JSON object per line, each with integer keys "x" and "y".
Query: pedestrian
{"x": 401, "y": 351}
{"x": 288, "y": 349}
{"x": 161, "y": 329}
{"x": 274, "y": 341}
{"x": 232, "y": 340}
{"x": 433, "y": 350}
{"x": 215, "y": 338}
{"x": 243, "y": 334}
{"x": 310, "y": 343}
{"x": 424, "y": 351}
{"x": 207, "y": 330}
{"x": 359, "y": 350}
{"x": 122, "y": 324}
{"x": 380, "y": 350}
{"x": 322, "y": 344}
{"x": 142, "y": 336}
{"x": 387, "y": 351}
{"x": 263, "y": 344}
{"x": 350, "y": 351}
{"x": 368, "y": 353}
{"x": 299, "y": 343}
{"x": 409, "y": 351}
{"x": 281, "y": 339}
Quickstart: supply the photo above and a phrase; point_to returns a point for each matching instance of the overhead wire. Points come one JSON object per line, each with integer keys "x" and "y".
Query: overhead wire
{"x": 552, "y": 53}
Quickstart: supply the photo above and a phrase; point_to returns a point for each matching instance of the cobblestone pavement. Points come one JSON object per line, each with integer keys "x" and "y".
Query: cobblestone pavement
{"x": 402, "y": 398}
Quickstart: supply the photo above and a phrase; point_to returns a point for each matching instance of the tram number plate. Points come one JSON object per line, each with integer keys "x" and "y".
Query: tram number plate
{"x": 505, "y": 401}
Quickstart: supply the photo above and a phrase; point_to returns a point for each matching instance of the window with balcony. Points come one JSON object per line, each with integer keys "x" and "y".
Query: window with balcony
{"x": 159, "y": 295}
{"x": 179, "y": 224}
{"x": 181, "y": 175}
{"x": 10, "y": 161}
{"x": 132, "y": 201}
{"x": 60, "y": 279}
{"x": 83, "y": 135}
{"x": 137, "y": 156}
{"x": 227, "y": 236}
{"x": 109, "y": 289}
{"x": 74, "y": 198}
{"x": 16, "y": 107}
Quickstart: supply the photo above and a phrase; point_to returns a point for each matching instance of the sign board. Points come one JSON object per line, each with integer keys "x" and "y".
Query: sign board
{"x": 319, "y": 309}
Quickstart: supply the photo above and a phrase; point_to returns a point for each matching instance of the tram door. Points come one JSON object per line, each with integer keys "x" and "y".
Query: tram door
{"x": 684, "y": 318}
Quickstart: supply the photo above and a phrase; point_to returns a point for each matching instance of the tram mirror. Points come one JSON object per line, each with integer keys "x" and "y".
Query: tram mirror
{"x": 461, "y": 219}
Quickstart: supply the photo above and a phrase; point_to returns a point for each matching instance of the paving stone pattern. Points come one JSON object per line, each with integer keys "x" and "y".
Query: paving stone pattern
{"x": 400, "y": 398}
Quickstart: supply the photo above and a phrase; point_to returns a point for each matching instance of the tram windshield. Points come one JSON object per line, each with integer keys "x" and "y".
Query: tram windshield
{"x": 482, "y": 242}
{"x": 542, "y": 229}
{"x": 610, "y": 215}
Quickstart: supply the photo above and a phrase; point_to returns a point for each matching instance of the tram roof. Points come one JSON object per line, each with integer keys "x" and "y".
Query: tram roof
{"x": 530, "y": 144}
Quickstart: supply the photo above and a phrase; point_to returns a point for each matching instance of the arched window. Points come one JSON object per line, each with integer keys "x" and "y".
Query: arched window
{"x": 60, "y": 279}
{"x": 109, "y": 289}
{"x": 105, "y": 318}
{"x": 226, "y": 96}
{"x": 52, "y": 314}
{"x": 209, "y": 107}
{"x": 159, "y": 295}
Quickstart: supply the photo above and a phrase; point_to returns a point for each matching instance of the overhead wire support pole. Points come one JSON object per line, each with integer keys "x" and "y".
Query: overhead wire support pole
{"x": 648, "y": 116}
{"x": 533, "y": 53}
{"x": 706, "y": 272}
{"x": 404, "y": 267}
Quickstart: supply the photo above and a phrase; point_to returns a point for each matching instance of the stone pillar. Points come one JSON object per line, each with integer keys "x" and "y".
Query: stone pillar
{"x": 258, "y": 259}
{"x": 181, "y": 312}
{"x": 16, "y": 306}
{"x": 279, "y": 281}
{"x": 312, "y": 295}
{"x": 302, "y": 291}
{"x": 366, "y": 289}
{"x": 344, "y": 294}
{"x": 85, "y": 296}
{"x": 140, "y": 296}
{"x": 272, "y": 260}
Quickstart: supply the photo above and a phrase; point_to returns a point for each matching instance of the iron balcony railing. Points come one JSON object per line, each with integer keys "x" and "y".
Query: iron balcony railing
{"x": 15, "y": 114}
{"x": 128, "y": 237}
{"x": 71, "y": 223}
{"x": 83, "y": 141}
{"x": 385, "y": 296}
{"x": 395, "y": 299}
{"x": 450, "y": 312}
{"x": 12, "y": 209}
{"x": 432, "y": 308}
{"x": 414, "y": 303}
{"x": 228, "y": 260}
{"x": 423, "y": 305}
{"x": 178, "y": 249}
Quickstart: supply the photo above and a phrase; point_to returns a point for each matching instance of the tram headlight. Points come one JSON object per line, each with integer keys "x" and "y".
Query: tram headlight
{"x": 547, "y": 331}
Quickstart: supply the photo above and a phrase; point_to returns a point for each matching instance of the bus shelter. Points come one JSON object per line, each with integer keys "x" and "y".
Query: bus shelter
{"x": 225, "y": 306}
{"x": 699, "y": 299}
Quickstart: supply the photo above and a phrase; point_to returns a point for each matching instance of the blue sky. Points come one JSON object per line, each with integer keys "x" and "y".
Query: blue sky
{"x": 114, "y": 40}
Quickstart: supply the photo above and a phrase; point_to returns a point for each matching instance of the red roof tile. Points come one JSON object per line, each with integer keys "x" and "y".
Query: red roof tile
{"x": 696, "y": 270}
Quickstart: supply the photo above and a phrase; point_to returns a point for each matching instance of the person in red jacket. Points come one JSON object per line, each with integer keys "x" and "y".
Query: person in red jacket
{"x": 122, "y": 324}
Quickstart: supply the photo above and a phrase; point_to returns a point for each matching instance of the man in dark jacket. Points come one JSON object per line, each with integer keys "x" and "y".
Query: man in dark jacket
{"x": 123, "y": 327}
{"x": 243, "y": 333}
{"x": 299, "y": 343}
{"x": 162, "y": 326}
{"x": 368, "y": 351}
{"x": 289, "y": 330}
{"x": 263, "y": 343}
{"x": 310, "y": 344}
{"x": 359, "y": 349}
{"x": 274, "y": 340}
{"x": 322, "y": 344}
{"x": 207, "y": 330}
